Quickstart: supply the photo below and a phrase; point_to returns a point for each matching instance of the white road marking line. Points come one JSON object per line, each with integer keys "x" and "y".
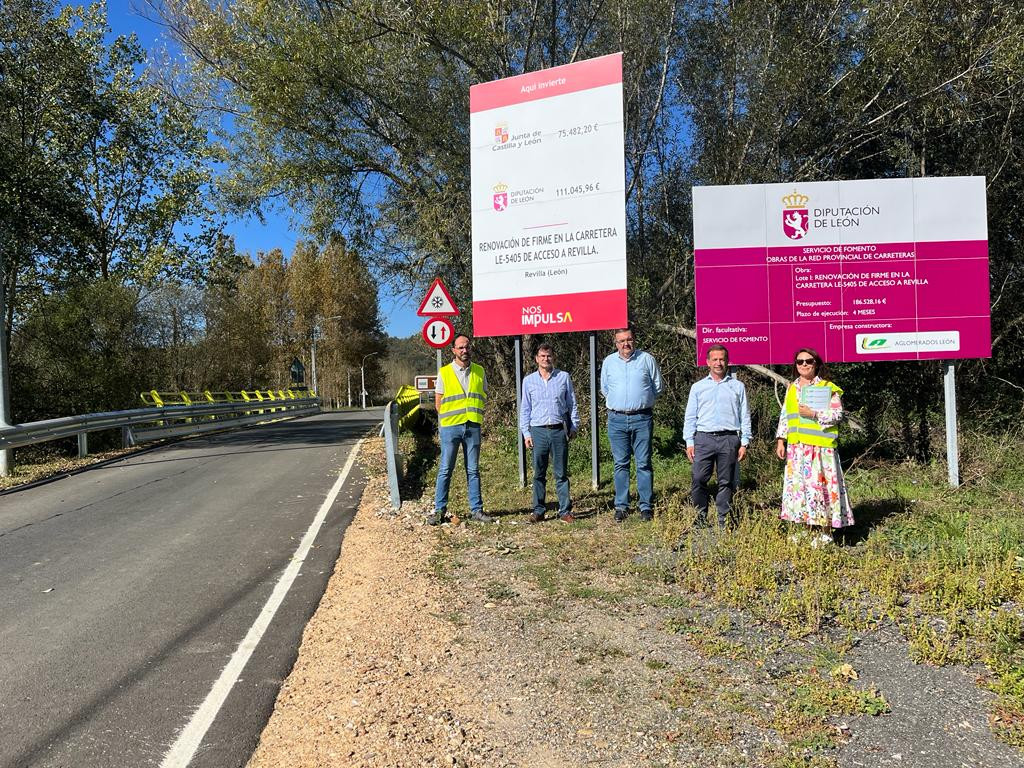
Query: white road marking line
{"x": 184, "y": 748}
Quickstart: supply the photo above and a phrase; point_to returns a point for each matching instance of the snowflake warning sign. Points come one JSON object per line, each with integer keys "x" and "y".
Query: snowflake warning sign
{"x": 438, "y": 302}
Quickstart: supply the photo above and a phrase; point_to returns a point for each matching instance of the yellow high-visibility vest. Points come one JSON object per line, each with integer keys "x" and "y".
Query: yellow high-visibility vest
{"x": 457, "y": 406}
{"x": 808, "y": 431}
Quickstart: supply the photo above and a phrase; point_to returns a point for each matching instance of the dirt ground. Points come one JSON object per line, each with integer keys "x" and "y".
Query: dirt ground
{"x": 447, "y": 647}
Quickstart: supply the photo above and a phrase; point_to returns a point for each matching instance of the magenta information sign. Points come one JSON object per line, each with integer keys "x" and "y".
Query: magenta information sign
{"x": 890, "y": 269}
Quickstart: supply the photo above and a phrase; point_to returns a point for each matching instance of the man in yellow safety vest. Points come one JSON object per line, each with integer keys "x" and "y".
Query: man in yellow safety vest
{"x": 460, "y": 396}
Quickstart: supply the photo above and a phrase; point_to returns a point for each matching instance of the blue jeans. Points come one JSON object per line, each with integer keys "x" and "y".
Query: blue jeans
{"x": 630, "y": 436}
{"x": 553, "y": 444}
{"x": 467, "y": 436}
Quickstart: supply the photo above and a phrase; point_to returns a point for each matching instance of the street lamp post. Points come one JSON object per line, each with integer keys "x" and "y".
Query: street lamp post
{"x": 362, "y": 376}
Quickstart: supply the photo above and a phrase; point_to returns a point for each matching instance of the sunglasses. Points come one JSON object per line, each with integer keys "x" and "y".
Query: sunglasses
{"x": 805, "y": 361}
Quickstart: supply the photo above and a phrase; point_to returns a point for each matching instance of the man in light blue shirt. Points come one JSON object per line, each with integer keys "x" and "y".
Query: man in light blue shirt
{"x": 630, "y": 383}
{"x": 717, "y": 431}
{"x": 548, "y": 419}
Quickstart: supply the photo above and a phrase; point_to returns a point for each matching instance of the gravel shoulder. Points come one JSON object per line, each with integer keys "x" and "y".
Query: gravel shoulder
{"x": 493, "y": 646}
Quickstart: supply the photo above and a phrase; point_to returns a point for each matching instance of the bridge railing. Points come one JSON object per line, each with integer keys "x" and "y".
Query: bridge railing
{"x": 401, "y": 413}
{"x": 152, "y": 423}
{"x": 155, "y": 398}
{"x": 407, "y": 403}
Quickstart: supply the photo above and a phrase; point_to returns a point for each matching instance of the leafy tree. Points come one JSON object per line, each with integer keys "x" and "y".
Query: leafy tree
{"x": 104, "y": 172}
{"x": 335, "y": 296}
{"x": 86, "y": 350}
{"x": 355, "y": 114}
{"x": 174, "y": 313}
{"x": 102, "y": 180}
{"x": 146, "y": 170}
{"x": 260, "y": 317}
{"x": 48, "y": 106}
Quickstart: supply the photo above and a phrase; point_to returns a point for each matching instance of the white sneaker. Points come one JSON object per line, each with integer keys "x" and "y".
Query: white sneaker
{"x": 821, "y": 540}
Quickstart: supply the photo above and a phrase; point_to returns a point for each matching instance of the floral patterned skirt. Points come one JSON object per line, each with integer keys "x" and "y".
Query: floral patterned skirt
{"x": 813, "y": 490}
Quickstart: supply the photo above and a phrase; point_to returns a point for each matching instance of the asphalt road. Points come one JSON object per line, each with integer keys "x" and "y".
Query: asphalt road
{"x": 124, "y": 591}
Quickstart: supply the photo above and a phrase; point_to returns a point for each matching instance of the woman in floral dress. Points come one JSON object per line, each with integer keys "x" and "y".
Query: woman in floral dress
{"x": 813, "y": 491}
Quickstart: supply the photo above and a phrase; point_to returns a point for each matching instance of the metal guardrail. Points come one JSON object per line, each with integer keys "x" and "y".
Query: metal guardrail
{"x": 394, "y": 456}
{"x": 144, "y": 424}
{"x": 401, "y": 413}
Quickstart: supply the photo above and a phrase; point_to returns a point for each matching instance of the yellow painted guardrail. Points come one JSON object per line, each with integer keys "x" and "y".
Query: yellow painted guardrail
{"x": 408, "y": 401}
{"x": 160, "y": 399}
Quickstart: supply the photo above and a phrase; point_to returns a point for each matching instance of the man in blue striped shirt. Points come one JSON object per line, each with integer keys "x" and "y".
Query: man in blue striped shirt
{"x": 717, "y": 430}
{"x": 630, "y": 383}
{"x": 548, "y": 419}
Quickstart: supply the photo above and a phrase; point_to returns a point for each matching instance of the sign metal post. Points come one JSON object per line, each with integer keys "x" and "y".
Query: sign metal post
{"x": 519, "y": 405}
{"x": 952, "y": 450}
{"x": 595, "y": 469}
{"x": 6, "y": 455}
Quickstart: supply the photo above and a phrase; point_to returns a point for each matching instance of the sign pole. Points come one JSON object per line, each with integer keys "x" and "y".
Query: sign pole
{"x": 519, "y": 405}
{"x": 952, "y": 451}
{"x": 595, "y": 470}
{"x": 312, "y": 363}
{"x": 7, "y": 455}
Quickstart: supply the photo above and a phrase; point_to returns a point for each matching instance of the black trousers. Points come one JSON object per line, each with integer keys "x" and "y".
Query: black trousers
{"x": 718, "y": 454}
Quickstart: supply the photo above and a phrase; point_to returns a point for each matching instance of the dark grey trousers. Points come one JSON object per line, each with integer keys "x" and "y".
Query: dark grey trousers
{"x": 714, "y": 453}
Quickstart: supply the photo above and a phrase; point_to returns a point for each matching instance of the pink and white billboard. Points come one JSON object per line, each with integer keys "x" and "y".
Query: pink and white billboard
{"x": 885, "y": 269}
{"x": 548, "y": 200}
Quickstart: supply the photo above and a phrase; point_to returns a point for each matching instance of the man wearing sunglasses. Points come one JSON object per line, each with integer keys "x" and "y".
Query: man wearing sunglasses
{"x": 717, "y": 431}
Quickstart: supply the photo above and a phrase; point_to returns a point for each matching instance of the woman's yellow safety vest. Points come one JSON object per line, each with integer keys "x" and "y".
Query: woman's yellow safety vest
{"x": 808, "y": 431}
{"x": 457, "y": 406}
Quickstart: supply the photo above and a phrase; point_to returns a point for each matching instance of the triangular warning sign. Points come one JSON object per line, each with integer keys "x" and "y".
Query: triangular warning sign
{"x": 437, "y": 302}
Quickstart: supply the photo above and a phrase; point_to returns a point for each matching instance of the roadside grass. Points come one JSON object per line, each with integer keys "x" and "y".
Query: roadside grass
{"x": 45, "y": 465}
{"x": 802, "y": 715}
{"x": 945, "y": 566}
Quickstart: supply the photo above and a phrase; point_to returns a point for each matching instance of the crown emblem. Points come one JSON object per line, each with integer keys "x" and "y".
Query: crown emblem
{"x": 795, "y": 200}
{"x": 501, "y": 187}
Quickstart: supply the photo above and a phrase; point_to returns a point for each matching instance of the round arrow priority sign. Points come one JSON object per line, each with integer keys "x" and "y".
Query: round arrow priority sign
{"x": 438, "y": 332}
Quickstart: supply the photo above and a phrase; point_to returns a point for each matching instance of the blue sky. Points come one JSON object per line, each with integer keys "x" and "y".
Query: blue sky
{"x": 398, "y": 314}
